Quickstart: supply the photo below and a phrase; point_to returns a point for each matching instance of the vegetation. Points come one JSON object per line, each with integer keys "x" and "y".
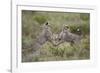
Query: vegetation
{"x": 31, "y": 28}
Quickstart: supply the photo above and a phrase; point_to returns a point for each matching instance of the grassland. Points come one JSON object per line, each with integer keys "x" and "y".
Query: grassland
{"x": 31, "y": 28}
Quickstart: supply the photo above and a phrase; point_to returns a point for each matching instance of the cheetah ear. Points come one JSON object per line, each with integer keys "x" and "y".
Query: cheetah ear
{"x": 46, "y": 23}
{"x": 66, "y": 27}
